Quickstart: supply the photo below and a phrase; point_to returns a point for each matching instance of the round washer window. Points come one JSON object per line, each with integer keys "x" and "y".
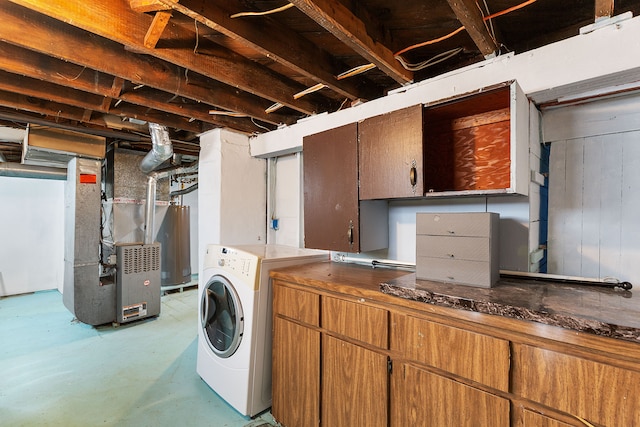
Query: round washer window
{"x": 221, "y": 316}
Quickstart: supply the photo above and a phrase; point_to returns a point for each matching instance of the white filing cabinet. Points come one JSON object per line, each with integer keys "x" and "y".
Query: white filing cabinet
{"x": 459, "y": 248}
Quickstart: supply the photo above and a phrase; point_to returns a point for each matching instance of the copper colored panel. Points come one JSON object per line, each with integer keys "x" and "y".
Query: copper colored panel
{"x": 482, "y": 157}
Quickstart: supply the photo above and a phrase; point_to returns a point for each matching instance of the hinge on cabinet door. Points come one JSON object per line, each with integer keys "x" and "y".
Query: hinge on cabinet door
{"x": 389, "y": 365}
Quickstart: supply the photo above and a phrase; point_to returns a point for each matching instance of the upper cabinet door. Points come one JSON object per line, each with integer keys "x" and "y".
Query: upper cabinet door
{"x": 330, "y": 161}
{"x": 391, "y": 155}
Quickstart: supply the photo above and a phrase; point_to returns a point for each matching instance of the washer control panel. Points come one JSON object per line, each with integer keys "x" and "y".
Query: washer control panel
{"x": 239, "y": 263}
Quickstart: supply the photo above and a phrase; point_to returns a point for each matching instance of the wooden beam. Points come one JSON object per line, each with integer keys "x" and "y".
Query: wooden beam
{"x": 604, "y": 9}
{"x": 469, "y": 15}
{"x": 147, "y": 5}
{"x": 122, "y": 25}
{"x": 159, "y": 23}
{"x": 334, "y": 17}
{"x": 46, "y": 91}
{"x": 75, "y": 69}
{"x": 274, "y": 41}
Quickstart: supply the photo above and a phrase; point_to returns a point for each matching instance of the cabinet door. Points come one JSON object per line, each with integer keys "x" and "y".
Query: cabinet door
{"x": 330, "y": 161}
{"x": 295, "y": 374}
{"x": 390, "y": 148}
{"x": 354, "y": 385}
{"x": 600, "y": 393}
{"x": 422, "y": 398}
{"x": 527, "y": 418}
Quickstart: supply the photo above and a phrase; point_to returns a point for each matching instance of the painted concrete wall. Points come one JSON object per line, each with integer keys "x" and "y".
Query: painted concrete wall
{"x": 31, "y": 235}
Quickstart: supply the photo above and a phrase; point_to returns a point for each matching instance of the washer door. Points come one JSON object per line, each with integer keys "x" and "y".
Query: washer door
{"x": 221, "y": 316}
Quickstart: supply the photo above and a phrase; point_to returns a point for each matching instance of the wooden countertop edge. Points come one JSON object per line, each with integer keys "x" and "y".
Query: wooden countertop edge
{"x": 359, "y": 281}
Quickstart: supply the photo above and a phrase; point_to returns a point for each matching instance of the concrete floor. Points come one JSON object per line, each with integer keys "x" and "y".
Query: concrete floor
{"x": 56, "y": 371}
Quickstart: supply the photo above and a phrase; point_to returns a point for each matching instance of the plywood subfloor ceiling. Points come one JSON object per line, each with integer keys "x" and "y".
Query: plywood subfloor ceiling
{"x": 108, "y": 66}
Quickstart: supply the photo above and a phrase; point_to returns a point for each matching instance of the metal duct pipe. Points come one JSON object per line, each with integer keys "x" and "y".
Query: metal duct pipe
{"x": 18, "y": 170}
{"x": 150, "y": 211}
{"x": 161, "y": 149}
{"x": 184, "y": 191}
{"x": 2, "y": 158}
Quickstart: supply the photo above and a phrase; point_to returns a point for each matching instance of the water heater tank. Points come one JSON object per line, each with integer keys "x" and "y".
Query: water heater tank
{"x": 176, "y": 246}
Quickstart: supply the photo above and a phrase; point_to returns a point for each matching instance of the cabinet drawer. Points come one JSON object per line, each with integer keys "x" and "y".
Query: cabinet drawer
{"x": 599, "y": 393}
{"x": 476, "y": 273}
{"x": 468, "y": 354}
{"x": 468, "y": 248}
{"x": 356, "y": 320}
{"x": 296, "y": 304}
{"x": 478, "y": 224}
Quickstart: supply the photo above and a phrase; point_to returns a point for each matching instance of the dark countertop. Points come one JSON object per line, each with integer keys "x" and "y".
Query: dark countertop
{"x": 598, "y": 310}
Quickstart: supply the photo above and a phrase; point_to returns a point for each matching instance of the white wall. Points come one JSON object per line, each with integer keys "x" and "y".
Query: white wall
{"x": 594, "y": 60}
{"x": 31, "y": 235}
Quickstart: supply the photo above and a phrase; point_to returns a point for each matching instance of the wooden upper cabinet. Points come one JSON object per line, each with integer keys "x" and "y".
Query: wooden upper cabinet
{"x": 391, "y": 155}
{"x": 334, "y": 219}
{"x": 478, "y": 143}
{"x": 330, "y": 162}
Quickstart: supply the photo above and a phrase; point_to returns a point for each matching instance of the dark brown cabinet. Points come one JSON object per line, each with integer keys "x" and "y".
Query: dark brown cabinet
{"x": 390, "y": 153}
{"x": 334, "y": 219}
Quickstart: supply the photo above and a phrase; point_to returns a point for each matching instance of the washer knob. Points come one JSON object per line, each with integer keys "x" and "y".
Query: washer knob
{"x": 221, "y": 262}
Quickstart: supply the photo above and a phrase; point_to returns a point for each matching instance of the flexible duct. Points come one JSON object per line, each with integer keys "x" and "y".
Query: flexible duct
{"x": 161, "y": 148}
{"x": 18, "y": 170}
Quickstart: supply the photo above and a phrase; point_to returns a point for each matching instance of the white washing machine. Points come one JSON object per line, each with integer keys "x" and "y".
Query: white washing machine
{"x": 234, "y": 334}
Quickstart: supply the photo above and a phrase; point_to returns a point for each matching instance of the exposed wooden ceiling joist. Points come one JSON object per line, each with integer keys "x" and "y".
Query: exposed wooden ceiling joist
{"x": 119, "y": 23}
{"x": 471, "y": 18}
{"x": 272, "y": 40}
{"x": 604, "y": 8}
{"x": 342, "y": 23}
{"x": 70, "y": 45}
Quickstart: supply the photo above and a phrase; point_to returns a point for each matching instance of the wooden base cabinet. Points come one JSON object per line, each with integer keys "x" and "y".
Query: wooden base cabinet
{"x": 354, "y": 385}
{"x": 295, "y": 374}
{"x": 423, "y": 398}
{"x": 352, "y": 356}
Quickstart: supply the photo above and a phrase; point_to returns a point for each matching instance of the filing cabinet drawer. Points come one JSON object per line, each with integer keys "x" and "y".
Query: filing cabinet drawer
{"x": 463, "y": 272}
{"x": 478, "y": 224}
{"x": 466, "y": 248}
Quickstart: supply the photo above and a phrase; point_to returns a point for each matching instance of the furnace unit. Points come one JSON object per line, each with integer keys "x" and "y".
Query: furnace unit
{"x": 137, "y": 281}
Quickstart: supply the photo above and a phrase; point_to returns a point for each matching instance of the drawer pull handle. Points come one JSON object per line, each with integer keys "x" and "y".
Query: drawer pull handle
{"x": 451, "y": 255}
{"x": 451, "y": 232}
{"x": 450, "y": 277}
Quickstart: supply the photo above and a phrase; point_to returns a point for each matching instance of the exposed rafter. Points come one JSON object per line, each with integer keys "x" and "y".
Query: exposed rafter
{"x": 469, "y": 15}
{"x": 342, "y": 23}
{"x": 118, "y": 22}
{"x": 273, "y": 41}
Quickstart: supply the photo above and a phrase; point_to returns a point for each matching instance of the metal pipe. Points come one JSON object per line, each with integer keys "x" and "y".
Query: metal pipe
{"x": 2, "y": 158}
{"x": 150, "y": 209}
{"x": 161, "y": 148}
{"x": 18, "y": 170}
{"x": 184, "y": 191}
